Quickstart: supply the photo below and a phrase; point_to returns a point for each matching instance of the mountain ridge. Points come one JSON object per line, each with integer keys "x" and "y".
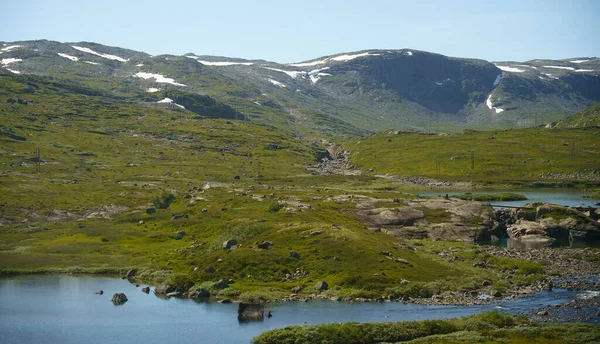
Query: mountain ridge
{"x": 345, "y": 93}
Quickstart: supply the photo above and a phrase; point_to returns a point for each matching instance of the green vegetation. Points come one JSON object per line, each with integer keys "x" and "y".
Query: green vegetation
{"x": 481, "y": 328}
{"x": 521, "y": 157}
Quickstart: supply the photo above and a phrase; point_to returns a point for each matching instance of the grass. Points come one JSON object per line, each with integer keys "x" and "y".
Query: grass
{"x": 503, "y": 156}
{"x": 504, "y": 197}
{"x": 106, "y": 157}
{"x": 491, "y": 327}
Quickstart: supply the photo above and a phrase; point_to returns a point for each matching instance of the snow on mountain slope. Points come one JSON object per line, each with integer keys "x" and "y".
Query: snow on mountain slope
{"x": 106, "y": 56}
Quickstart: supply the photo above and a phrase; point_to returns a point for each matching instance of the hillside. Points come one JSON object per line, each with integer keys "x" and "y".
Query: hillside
{"x": 343, "y": 94}
{"x": 589, "y": 117}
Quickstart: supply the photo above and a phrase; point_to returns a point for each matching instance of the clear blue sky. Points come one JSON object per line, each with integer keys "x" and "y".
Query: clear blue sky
{"x": 292, "y": 31}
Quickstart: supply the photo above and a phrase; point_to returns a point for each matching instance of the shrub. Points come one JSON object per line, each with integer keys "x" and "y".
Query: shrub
{"x": 274, "y": 207}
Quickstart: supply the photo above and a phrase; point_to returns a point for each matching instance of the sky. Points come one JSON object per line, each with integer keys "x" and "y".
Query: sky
{"x": 293, "y": 31}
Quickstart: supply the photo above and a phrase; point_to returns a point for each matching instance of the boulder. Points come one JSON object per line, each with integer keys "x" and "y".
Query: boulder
{"x": 164, "y": 289}
{"x": 221, "y": 284}
{"x": 294, "y": 254}
{"x": 150, "y": 211}
{"x": 199, "y": 293}
{"x": 209, "y": 269}
{"x": 131, "y": 273}
{"x": 99, "y": 292}
{"x": 146, "y": 290}
{"x": 227, "y": 244}
{"x": 119, "y": 298}
{"x": 321, "y": 285}
{"x": 265, "y": 245}
{"x": 174, "y": 294}
{"x": 251, "y": 311}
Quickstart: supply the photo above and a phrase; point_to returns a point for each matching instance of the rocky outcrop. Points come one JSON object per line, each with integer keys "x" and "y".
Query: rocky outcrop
{"x": 321, "y": 285}
{"x": 433, "y": 218}
{"x": 251, "y": 311}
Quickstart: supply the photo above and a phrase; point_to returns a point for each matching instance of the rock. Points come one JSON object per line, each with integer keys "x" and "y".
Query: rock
{"x": 321, "y": 285}
{"x": 180, "y": 216}
{"x": 150, "y": 211}
{"x": 174, "y": 294}
{"x": 146, "y": 290}
{"x": 294, "y": 254}
{"x": 543, "y": 312}
{"x": 99, "y": 292}
{"x": 297, "y": 289}
{"x": 224, "y": 301}
{"x": 209, "y": 269}
{"x": 486, "y": 283}
{"x": 497, "y": 294}
{"x": 250, "y": 311}
{"x": 404, "y": 282}
{"x": 315, "y": 232}
{"x": 227, "y": 244}
{"x": 131, "y": 273}
{"x": 142, "y": 222}
{"x": 265, "y": 245}
{"x": 119, "y": 298}
{"x": 199, "y": 293}
{"x": 402, "y": 260}
{"x": 164, "y": 289}
{"x": 221, "y": 284}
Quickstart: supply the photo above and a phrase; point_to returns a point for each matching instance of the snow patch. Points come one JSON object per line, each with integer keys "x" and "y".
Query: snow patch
{"x": 159, "y": 78}
{"x": 315, "y": 71}
{"x": 92, "y": 63}
{"x": 579, "y": 61}
{"x": 139, "y": 65}
{"x": 220, "y": 63}
{"x": 409, "y": 53}
{"x": 9, "y": 48}
{"x": 293, "y": 74}
{"x": 584, "y": 70}
{"x": 498, "y": 78}
{"x": 489, "y": 104}
{"x": 551, "y": 76}
{"x": 277, "y": 83}
{"x": 351, "y": 57}
{"x": 170, "y": 101}
{"x": 339, "y": 58}
{"x": 8, "y": 61}
{"x": 72, "y": 58}
{"x": 560, "y": 67}
{"x": 13, "y": 71}
{"x": 440, "y": 83}
{"x": 152, "y": 90}
{"x": 510, "y": 69}
{"x": 308, "y": 64}
{"x": 316, "y": 77}
{"x": 106, "y": 56}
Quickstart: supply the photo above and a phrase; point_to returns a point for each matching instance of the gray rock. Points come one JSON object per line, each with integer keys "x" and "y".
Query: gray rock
{"x": 164, "y": 289}
{"x": 209, "y": 269}
{"x": 224, "y": 301}
{"x": 131, "y": 273}
{"x": 199, "y": 293}
{"x": 146, "y": 290}
{"x": 294, "y": 254}
{"x": 227, "y": 244}
{"x": 321, "y": 285}
{"x": 249, "y": 311}
{"x": 174, "y": 294}
{"x": 265, "y": 245}
{"x": 150, "y": 211}
{"x": 221, "y": 284}
{"x": 119, "y": 298}
{"x": 99, "y": 292}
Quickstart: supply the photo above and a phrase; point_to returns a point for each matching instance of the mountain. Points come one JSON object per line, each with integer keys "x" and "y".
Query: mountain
{"x": 343, "y": 94}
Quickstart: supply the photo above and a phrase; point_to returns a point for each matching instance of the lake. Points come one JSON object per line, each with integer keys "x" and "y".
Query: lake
{"x": 64, "y": 309}
{"x": 560, "y": 196}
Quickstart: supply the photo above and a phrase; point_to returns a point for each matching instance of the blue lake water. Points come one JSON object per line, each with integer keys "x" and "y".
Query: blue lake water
{"x": 64, "y": 309}
{"x": 564, "y": 197}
